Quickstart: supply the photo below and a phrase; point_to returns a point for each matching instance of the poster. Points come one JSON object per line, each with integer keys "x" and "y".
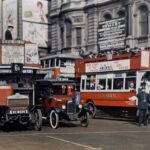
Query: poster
{"x": 36, "y": 33}
{"x": 10, "y": 16}
{"x": 12, "y": 54}
{"x": 31, "y": 54}
{"x": 108, "y": 66}
{"x": 35, "y": 11}
{"x": 111, "y": 34}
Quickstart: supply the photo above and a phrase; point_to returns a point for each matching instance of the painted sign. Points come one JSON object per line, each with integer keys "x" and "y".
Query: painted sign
{"x": 67, "y": 69}
{"x": 10, "y": 16}
{"x": 108, "y": 66}
{"x": 31, "y": 54}
{"x": 35, "y": 11}
{"x": 35, "y": 33}
{"x": 12, "y": 54}
{"x": 111, "y": 34}
{"x": 145, "y": 57}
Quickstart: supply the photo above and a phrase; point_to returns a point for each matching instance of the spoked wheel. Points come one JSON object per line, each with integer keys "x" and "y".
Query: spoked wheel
{"x": 37, "y": 119}
{"x": 85, "y": 119}
{"x": 92, "y": 109}
{"x": 54, "y": 119}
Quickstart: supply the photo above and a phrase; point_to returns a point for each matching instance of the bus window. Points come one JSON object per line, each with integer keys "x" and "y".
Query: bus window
{"x": 101, "y": 84}
{"x": 42, "y": 63}
{"x": 57, "y": 62}
{"x": 109, "y": 84}
{"x": 118, "y": 83}
{"x": 83, "y": 84}
{"x": 47, "y": 63}
{"x": 130, "y": 83}
{"x": 52, "y": 62}
{"x": 90, "y": 82}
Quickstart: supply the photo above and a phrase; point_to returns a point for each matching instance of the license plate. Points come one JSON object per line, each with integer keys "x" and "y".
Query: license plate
{"x": 18, "y": 112}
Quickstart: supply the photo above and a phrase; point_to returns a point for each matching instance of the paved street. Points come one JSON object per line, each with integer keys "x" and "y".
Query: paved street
{"x": 101, "y": 134}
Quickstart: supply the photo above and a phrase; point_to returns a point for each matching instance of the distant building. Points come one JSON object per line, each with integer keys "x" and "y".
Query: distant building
{"x": 74, "y": 23}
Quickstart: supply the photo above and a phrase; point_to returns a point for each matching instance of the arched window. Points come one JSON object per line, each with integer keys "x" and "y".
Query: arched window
{"x": 143, "y": 20}
{"x": 68, "y": 33}
{"x": 107, "y": 16}
{"x": 121, "y": 13}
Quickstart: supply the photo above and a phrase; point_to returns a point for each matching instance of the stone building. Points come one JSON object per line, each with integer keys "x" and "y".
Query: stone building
{"x": 74, "y": 23}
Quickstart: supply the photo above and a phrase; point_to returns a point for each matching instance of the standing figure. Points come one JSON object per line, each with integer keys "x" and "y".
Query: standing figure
{"x": 143, "y": 100}
{"x": 8, "y": 33}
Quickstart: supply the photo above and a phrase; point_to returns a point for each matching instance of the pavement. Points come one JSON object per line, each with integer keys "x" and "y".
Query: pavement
{"x": 100, "y": 135}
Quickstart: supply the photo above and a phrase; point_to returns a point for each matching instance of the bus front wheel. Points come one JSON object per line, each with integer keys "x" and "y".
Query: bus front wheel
{"x": 92, "y": 109}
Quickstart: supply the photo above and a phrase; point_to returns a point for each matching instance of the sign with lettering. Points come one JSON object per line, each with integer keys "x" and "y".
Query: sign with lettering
{"x": 145, "y": 59}
{"x": 12, "y": 54}
{"x": 31, "y": 54}
{"x": 111, "y": 34}
{"x": 108, "y": 66}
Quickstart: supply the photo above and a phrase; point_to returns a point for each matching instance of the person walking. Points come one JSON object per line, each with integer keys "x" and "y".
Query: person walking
{"x": 143, "y": 100}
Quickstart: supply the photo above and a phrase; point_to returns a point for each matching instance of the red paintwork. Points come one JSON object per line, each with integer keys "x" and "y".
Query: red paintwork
{"x": 4, "y": 92}
{"x": 111, "y": 98}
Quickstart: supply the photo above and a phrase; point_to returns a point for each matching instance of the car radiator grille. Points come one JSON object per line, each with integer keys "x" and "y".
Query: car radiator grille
{"x": 71, "y": 107}
{"x": 18, "y": 103}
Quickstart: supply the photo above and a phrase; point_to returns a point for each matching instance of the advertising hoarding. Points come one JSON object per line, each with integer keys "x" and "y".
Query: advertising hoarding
{"x": 35, "y": 11}
{"x": 12, "y": 54}
{"x": 111, "y": 34}
{"x": 108, "y": 66}
{"x": 31, "y": 54}
{"x": 10, "y": 15}
{"x": 36, "y": 33}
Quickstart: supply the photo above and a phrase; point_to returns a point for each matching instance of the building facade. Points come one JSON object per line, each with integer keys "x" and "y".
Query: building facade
{"x": 74, "y": 23}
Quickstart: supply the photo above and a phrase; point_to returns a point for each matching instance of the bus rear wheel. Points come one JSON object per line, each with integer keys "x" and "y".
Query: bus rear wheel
{"x": 92, "y": 109}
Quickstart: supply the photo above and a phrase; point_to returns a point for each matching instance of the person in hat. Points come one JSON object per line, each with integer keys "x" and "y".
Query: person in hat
{"x": 8, "y": 33}
{"x": 143, "y": 100}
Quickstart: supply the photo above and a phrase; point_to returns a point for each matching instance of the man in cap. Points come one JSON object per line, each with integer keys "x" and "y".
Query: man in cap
{"x": 143, "y": 100}
{"x": 8, "y": 34}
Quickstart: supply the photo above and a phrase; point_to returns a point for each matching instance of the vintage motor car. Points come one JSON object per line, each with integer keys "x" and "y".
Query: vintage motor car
{"x": 17, "y": 101}
{"x": 58, "y": 103}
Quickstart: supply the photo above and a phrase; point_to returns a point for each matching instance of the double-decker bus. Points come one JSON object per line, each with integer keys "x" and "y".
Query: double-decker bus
{"x": 19, "y": 63}
{"x": 111, "y": 83}
{"x": 60, "y": 66}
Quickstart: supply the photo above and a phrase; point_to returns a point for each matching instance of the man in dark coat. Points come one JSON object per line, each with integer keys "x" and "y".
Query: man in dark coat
{"x": 8, "y": 34}
{"x": 143, "y": 100}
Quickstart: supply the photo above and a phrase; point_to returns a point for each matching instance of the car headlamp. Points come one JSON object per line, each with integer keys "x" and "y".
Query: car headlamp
{"x": 63, "y": 106}
{"x": 80, "y": 106}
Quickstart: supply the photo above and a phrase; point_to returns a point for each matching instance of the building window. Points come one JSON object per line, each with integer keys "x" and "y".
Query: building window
{"x": 143, "y": 20}
{"x": 68, "y": 34}
{"x": 62, "y": 36}
{"x": 121, "y": 13}
{"x": 79, "y": 36}
{"x": 107, "y": 17}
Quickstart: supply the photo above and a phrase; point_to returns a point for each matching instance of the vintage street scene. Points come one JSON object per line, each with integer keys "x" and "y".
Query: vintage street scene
{"x": 74, "y": 74}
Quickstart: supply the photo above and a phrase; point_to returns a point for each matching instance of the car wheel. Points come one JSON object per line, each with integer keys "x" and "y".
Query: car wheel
{"x": 37, "y": 117}
{"x": 54, "y": 119}
{"x": 85, "y": 119}
{"x": 92, "y": 109}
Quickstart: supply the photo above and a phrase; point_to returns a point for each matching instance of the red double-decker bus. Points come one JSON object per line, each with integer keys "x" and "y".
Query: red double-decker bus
{"x": 111, "y": 82}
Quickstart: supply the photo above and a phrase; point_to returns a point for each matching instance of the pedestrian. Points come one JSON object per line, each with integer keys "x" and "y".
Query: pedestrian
{"x": 8, "y": 33}
{"x": 143, "y": 100}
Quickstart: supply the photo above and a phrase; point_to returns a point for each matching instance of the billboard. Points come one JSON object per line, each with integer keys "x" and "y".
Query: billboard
{"x": 10, "y": 14}
{"x": 35, "y": 11}
{"x": 31, "y": 54}
{"x": 108, "y": 66}
{"x": 36, "y": 33}
{"x": 111, "y": 34}
{"x": 12, "y": 54}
